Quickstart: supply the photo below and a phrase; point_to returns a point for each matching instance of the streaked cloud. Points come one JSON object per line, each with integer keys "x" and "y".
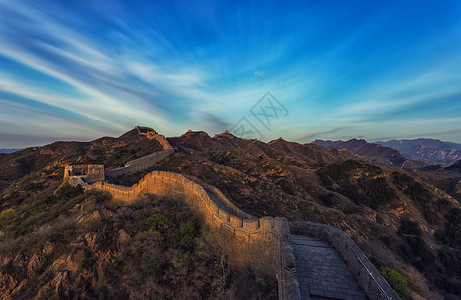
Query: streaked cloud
{"x": 100, "y": 68}
{"x": 318, "y": 134}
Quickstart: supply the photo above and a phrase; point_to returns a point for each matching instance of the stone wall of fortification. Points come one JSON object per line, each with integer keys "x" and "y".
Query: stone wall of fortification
{"x": 371, "y": 281}
{"x": 288, "y": 285}
{"x": 153, "y": 135}
{"x": 247, "y": 241}
{"x": 147, "y": 161}
{"x": 140, "y": 164}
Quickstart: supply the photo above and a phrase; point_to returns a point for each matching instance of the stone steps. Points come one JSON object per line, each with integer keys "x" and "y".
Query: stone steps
{"x": 321, "y": 272}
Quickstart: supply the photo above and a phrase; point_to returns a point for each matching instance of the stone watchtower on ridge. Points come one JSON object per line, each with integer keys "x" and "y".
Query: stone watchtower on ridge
{"x": 87, "y": 173}
{"x": 147, "y": 131}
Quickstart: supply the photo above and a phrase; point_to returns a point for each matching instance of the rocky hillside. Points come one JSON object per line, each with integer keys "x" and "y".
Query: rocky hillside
{"x": 87, "y": 246}
{"x": 406, "y": 221}
{"x": 378, "y": 206}
{"x": 427, "y": 149}
{"x": 58, "y": 242}
{"x": 50, "y": 159}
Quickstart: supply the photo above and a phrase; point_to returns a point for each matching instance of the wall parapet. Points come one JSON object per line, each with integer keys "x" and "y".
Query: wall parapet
{"x": 229, "y": 205}
{"x": 370, "y": 280}
{"x": 286, "y": 274}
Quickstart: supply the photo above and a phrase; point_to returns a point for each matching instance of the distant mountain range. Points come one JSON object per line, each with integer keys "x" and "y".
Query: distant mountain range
{"x": 6, "y": 151}
{"x": 427, "y": 150}
{"x": 374, "y": 152}
{"x": 423, "y": 154}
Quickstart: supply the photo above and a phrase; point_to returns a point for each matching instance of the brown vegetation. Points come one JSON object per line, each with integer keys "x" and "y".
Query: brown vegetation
{"x": 403, "y": 220}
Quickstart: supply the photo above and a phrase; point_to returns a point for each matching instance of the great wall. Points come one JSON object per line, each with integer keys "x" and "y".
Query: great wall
{"x": 288, "y": 251}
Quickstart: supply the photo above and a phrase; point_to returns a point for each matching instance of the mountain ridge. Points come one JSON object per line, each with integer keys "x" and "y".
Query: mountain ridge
{"x": 426, "y": 149}
{"x": 374, "y": 152}
{"x": 372, "y": 203}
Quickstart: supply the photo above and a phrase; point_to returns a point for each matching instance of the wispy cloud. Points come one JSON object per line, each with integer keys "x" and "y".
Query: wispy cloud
{"x": 120, "y": 87}
{"x": 107, "y": 66}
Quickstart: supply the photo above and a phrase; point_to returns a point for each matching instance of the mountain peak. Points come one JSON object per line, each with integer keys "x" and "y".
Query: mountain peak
{"x": 226, "y": 134}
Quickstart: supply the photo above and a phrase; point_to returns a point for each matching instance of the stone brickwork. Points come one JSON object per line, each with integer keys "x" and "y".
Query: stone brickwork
{"x": 370, "y": 280}
{"x": 321, "y": 271}
{"x": 286, "y": 275}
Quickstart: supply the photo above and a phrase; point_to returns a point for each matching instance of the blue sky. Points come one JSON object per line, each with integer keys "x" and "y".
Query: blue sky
{"x": 77, "y": 70}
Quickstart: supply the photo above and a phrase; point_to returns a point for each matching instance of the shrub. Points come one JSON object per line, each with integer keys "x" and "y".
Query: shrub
{"x": 107, "y": 232}
{"x": 328, "y": 199}
{"x": 67, "y": 191}
{"x": 89, "y": 260}
{"x": 376, "y": 191}
{"x": 421, "y": 255}
{"x": 352, "y": 192}
{"x": 337, "y": 171}
{"x": 452, "y": 234}
{"x": 7, "y": 213}
{"x": 148, "y": 267}
{"x": 451, "y": 259}
{"x": 400, "y": 283}
{"x": 158, "y": 221}
{"x": 401, "y": 180}
{"x": 379, "y": 219}
{"x": 431, "y": 216}
{"x": 408, "y": 226}
{"x": 369, "y": 191}
{"x": 443, "y": 203}
{"x": 418, "y": 192}
{"x": 188, "y": 232}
